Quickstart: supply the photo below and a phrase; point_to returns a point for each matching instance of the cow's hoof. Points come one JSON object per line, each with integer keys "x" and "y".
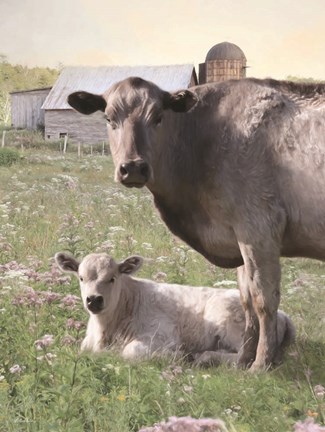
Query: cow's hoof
{"x": 257, "y": 367}
{"x": 245, "y": 361}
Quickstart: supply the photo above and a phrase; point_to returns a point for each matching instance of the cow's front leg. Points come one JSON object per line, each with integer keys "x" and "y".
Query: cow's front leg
{"x": 247, "y": 352}
{"x": 263, "y": 273}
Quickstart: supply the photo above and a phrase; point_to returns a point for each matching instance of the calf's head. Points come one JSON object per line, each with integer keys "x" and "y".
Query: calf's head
{"x": 135, "y": 111}
{"x": 100, "y": 278}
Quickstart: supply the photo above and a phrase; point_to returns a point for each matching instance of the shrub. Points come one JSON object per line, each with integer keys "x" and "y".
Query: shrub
{"x": 8, "y": 156}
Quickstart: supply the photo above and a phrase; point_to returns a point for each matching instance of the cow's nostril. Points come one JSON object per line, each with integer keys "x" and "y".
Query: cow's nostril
{"x": 123, "y": 170}
{"x": 90, "y": 299}
{"x": 95, "y": 301}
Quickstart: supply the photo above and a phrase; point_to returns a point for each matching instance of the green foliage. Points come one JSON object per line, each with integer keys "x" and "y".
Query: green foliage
{"x": 52, "y": 203}
{"x": 8, "y": 156}
{"x": 302, "y": 79}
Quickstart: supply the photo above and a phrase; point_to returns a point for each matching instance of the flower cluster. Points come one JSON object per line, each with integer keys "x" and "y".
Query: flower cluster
{"x": 44, "y": 342}
{"x": 308, "y": 425}
{"x": 29, "y": 297}
{"x": 14, "y": 270}
{"x": 188, "y": 424}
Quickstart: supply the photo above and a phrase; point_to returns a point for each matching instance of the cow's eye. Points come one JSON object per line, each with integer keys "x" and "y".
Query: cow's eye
{"x": 81, "y": 278}
{"x": 112, "y": 280}
{"x": 112, "y": 124}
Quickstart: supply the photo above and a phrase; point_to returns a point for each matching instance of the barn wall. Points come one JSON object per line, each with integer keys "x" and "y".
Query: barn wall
{"x": 26, "y": 110}
{"x": 80, "y": 128}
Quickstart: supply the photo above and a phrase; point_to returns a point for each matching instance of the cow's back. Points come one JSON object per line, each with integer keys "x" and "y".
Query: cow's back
{"x": 267, "y": 141}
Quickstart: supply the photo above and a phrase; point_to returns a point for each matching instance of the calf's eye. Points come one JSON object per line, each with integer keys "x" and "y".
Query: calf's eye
{"x": 81, "y": 278}
{"x": 112, "y": 280}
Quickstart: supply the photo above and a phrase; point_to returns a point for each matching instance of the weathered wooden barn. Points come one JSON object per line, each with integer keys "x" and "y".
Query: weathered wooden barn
{"x": 61, "y": 120}
{"x": 26, "y": 112}
{"x": 48, "y": 108}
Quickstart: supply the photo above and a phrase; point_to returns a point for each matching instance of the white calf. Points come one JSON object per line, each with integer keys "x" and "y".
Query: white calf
{"x": 146, "y": 317}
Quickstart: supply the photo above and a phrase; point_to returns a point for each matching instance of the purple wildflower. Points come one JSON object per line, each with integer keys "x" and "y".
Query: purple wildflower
{"x": 70, "y": 301}
{"x": 308, "y": 425}
{"x": 15, "y": 369}
{"x": 44, "y": 342}
{"x": 50, "y": 296}
{"x": 68, "y": 340}
{"x": 188, "y": 424}
{"x": 73, "y": 324}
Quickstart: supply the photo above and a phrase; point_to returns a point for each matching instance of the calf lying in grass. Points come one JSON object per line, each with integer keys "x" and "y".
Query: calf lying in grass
{"x": 144, "y": 317}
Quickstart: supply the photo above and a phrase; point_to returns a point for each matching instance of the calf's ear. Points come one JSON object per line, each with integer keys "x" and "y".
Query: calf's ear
{"x": 181, "y": 101}
{"x": 67, "y": 263}
{"x": 86, "y": 103}
{"x": 130, "y": 265}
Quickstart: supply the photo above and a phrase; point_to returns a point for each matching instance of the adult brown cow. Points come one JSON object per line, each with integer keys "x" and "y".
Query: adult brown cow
{"x": 237, "y": 170}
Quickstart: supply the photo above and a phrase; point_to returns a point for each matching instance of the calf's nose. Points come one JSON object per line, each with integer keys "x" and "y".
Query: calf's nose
{"x": 134, "y": 173}
{"x": 95, "y": 303}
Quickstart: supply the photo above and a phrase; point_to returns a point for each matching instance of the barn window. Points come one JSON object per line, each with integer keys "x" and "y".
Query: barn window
{"x": 63, "y": 134}
{"x": 49, "y": 136}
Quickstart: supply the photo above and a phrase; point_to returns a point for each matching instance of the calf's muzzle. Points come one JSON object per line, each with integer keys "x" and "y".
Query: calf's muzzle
{"x": 134, "y": 173}
{"x": 95, "y": 303}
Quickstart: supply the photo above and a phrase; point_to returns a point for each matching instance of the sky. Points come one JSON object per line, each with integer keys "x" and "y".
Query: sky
{"x": 279, "y": 37}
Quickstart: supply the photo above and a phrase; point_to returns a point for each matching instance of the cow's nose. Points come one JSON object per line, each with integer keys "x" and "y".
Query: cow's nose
{"x": 134, "y": 173}
{"x": 95, "y": 303}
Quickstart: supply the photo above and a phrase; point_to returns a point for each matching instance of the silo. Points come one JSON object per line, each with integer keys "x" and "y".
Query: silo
{"x": 223, "y": 61}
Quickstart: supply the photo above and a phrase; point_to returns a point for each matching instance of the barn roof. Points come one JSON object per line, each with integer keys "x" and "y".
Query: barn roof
{"x": 98, "y": 79}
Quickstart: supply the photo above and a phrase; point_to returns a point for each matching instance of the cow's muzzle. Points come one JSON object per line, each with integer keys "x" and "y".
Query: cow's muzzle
{"x": 134, "y": 173}
{"x": 95, "y": 303}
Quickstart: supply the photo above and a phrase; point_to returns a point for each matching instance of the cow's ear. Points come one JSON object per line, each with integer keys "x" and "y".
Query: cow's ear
{"x": 86, "y": 103}
{"x": 66, "y": 262}
{"x": 130, "y": 265}
{"x": 181, "y": 101}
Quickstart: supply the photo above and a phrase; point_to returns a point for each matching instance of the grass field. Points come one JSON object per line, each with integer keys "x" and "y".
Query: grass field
{"x": 50, "y": 203}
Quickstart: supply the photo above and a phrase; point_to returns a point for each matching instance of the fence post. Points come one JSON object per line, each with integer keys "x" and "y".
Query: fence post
{"x": 3, "y": 138}
{"x": 91, "y": 149}
{"x": 103, "y": 151}
{"x": 65, "y": 144}
{"x": 79, "y": 150}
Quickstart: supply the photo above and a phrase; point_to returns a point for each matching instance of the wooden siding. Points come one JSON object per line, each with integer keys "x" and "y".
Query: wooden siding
{"x": 81, "y": 128}
{"x": 26, "y": 110}
{"x": 222, "y": 70}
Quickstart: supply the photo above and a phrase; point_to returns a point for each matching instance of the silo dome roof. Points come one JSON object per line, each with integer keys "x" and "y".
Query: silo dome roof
{"x": 225, "y": 51}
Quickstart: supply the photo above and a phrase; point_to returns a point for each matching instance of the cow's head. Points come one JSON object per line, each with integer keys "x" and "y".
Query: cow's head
{"x": 135, "y": 111}
{"x": 100, "y": 278}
